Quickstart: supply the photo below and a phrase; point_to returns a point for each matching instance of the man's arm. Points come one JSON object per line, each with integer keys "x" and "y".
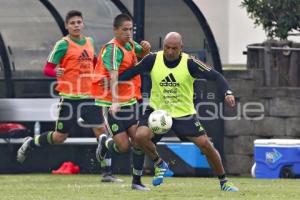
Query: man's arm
{"x": 199, "y": 70}
{"x": 114, "y": 91}
{"x": 145, "y": 65}
{"x": 54, "y": 58}
{"x": 49, "y": 69}
{"x": 142, "y": 49}
{"x": 112, "y": 58}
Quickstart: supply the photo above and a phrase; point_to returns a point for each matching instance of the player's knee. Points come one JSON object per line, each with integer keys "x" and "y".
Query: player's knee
{"x": 59, "y": 138}
{"x": 142, "y": 135}
{"x": 98, "y": 131}
{"x": 123, "y": 147}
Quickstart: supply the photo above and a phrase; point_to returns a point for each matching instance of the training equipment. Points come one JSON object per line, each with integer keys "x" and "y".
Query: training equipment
{"x": 160, "y": 121}
{"x": 67, "y": 168}
{"x": 276, "y": 158}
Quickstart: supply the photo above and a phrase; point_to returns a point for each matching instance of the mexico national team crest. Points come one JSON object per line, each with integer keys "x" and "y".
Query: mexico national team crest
{"x": 60, "y": 125}
{"x": 114, "y": 127}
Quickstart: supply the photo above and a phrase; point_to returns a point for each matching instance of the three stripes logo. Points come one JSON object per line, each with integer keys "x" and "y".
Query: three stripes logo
{"x": 163, "y": 121}
{"x": 201, "y": 65}
{"x": 84, "y": 56}
{"x": 169, "y": 81}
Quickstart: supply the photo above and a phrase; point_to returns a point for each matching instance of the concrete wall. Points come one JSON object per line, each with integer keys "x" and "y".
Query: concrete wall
{"x": 232, "y": 29}
{"x": 279, "y": 118}
{"x": 241, "y": 32}
{"x": 216, "y": 14}
{"x": 172, "y": 15}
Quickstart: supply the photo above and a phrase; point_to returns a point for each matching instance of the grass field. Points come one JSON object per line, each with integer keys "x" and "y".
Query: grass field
{"x": 88, "y": 187}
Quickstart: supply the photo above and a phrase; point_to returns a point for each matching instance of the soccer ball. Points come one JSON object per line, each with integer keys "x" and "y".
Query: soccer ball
{"x": 160, "y": 121}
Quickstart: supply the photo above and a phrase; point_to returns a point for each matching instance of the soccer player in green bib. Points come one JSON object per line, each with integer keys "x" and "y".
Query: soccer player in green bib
{"x": 172, "y": 74}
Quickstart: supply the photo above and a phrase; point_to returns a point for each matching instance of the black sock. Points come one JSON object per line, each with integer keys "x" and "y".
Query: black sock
{"x": 222, "y": 178}
{"x": 32, "y": 144}
{"x": 43, "y": 140}
{"x": 136, "y": 179}
{"x": 138, "y": 157}
{"x": 157, "y": 161}
{"x": 107, "y": 168}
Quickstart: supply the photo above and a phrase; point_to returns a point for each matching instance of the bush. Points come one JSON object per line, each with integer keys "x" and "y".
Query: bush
{"x": 278, "y": 17}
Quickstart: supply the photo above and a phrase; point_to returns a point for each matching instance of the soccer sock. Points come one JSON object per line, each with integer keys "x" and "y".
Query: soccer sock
{"x": 43, "y": 140}
{"x": 111, "y": 146}
{"x": 138, "y": 157}
{"x": 222, "y": 178}
{"x": 106, "y": 164}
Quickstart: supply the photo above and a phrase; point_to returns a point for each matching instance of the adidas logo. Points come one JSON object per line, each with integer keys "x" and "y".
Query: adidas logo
{"x": 84, "y": 56}
{"x": 169, "y": 81}
{"x": 163, "y": 121}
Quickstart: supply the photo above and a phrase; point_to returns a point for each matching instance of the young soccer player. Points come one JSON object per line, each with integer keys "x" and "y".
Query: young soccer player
{"x": 120, "y": 99}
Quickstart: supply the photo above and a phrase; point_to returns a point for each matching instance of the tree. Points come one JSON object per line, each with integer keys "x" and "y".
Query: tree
{"x": 278, "y": 17}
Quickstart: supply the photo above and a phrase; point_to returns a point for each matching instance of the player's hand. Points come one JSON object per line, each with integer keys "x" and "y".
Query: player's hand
{"x": 146, "y": 46}
{"x": 230, "y": 100}
{"x": 59, "y": 71}
{"x": 114, "y": 108}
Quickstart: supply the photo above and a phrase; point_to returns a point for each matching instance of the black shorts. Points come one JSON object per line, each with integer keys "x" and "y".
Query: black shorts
{"x": 78, "y": 112}
{"x": 187, "y": 126}
{"x": 122, "y": 120}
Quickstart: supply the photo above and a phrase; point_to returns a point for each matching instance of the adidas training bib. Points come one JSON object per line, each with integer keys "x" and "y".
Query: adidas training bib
{"x": 172, "y": 88}
{"x": 78, "y": 67}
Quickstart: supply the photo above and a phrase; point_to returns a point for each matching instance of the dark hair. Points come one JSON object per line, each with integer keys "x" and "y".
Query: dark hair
{"x": 120, "y": 19}
{"x": 72, "y": 13}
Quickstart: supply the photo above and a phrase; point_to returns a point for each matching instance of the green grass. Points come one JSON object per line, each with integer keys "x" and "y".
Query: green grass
{"x": 88, "y": 187}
